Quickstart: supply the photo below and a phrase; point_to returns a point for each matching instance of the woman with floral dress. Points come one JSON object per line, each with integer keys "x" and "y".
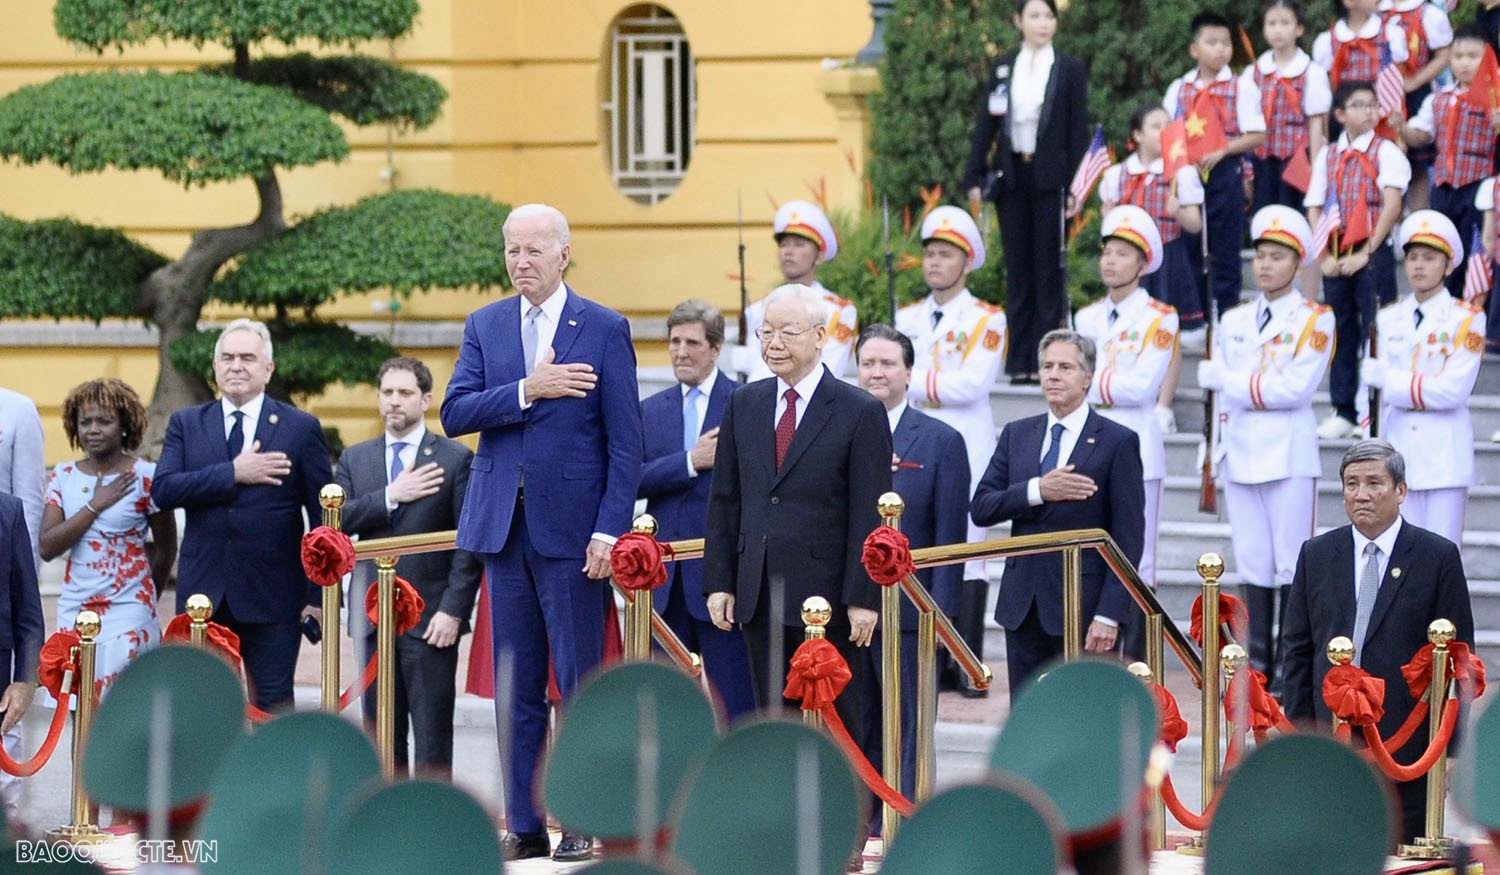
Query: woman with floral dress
{"x": 97, "y": 511}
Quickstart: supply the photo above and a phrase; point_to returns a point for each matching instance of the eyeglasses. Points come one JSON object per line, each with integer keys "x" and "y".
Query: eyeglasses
{"x": 767, "y": 335}
{"x": 1361, "y": 105}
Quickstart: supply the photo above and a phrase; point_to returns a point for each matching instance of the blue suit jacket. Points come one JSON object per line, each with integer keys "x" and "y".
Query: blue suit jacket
{"x": 21, "y": 625}
{"x": 937, "y": 500}
{"x": 1107, "y": 452}
{"x": 580, "y": 458}
{"x": 678, "y": 501}
{"x": 242, "y": 544}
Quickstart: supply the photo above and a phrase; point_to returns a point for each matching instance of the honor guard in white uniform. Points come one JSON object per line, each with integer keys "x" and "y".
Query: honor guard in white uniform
{"x": 804, "y": 239}
{"x": 1429, "y": 347}
{"x": 1269, "y": 356}
{"x": 960, "y": 345}
{"x": 1135, "y": 335}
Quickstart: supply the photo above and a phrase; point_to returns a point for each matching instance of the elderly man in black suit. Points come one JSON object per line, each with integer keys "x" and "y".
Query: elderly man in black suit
{"x": 1380, "y": 581}
{"x": 1068, "y": 468}
{"x": 406, "y": 481}
{"x": 803, "y": 459}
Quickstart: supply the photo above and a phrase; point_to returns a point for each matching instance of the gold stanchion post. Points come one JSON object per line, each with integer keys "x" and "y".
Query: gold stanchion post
{"x": 1340, "y": 651}
{"x": 1072, "y": 602}
{"x": 385, "y": 655}
{"x": 81, "y": 830}
{"x": 331, "y": 497}
{"x": 1156, "y": 817}
{"x": 1434, "y": 845}
{"x": 638, "y": 605}
{"x": 1210, "y": 568}
{"x": 1233, "y": 658}
{"x": 199, "y": 609}
{"x": 891, "y": 506}
{"x": 816, "y": 612}
{"x": 1155, "y": 647}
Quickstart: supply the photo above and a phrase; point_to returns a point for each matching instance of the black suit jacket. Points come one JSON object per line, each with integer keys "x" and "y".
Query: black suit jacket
{"x": 1424, "y": 580}
{"x": 807, "y": 523}
{"x": 934, "y": 482}
{"x": 448, "y": 581}
{"x": 1062, "y": 137}
{"x": 1110, "y": 454}
{"x": 22, "y": 627}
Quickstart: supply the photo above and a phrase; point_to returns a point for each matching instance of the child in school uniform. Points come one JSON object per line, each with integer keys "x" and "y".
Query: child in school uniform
{"x": 1429, "y": 36}
{"x": 1367, "y": 175}
{"x": 1464, "y": 137}
{"x": 1485, "y": 198}
{"x": 1294, "y": 98}
{"x": 1236, "y": 102}
{"x": 1351, "y": 49}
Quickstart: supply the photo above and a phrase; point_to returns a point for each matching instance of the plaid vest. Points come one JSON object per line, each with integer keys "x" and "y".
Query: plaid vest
{"x": 1357, "y": 60}
{"x": 1286, "y": 121}
{"x": 1358, "y": 175}
{"x": 1465, "y": 141}
{"x": 1417, "y": 52}
{"x": 1223, "y": 94}
{"x": 1150, "y": 192}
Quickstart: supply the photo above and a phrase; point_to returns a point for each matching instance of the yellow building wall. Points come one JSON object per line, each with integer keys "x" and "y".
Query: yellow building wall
{"x": 523, "y": 123}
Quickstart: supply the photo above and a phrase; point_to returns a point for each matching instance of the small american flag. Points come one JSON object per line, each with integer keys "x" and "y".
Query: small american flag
{"x": 1328, "y": 222}
{"x": 1094, "y": 163}
{"x": 1390, "y": 85}
{"x": 1477, "y": 279}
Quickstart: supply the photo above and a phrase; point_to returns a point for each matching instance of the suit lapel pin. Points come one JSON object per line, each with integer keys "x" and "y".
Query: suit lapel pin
{"x": 427, "y": 451}
{"x": 1395, "y": 572}
{"x": 572, "y": 323}
{"x": 1090, "y": 440}
{"x": 274, "y": 419}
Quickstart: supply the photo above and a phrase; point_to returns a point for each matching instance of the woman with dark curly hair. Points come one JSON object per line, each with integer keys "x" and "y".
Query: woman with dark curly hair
{"x": 97, "y": 510}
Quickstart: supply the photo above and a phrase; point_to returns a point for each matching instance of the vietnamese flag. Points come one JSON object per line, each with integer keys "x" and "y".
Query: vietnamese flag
{"x": 1484, "y": 92}
{"x": 1205, "y": 133}
{"x": 1356, "y": 228}
{"x": 1174, "y": 153}
{"x": 1298, "y": 172}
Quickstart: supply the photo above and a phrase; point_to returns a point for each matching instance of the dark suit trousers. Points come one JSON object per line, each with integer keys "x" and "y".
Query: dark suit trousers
{"x": 269, "y": 651}
{"x": 1028, "y": 648}
{"x": 538, "y": 606}
{"x": 425, "y": 690}
{"x": 875, "y": 707}
{"x": 724, "y": 658}
{"x": 1035, "y": 300}
{"x": 1224, "y": 199}
{"x": 1354, "y": 300}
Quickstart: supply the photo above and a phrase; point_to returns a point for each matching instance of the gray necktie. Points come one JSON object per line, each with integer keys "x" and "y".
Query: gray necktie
{"x": 1364, "y": 605}
{"x": 1416, "y": 318}
{"x": 528, "y": 338}
{"x": 1113, "y": 315}
{"x": 1263, "y": 320}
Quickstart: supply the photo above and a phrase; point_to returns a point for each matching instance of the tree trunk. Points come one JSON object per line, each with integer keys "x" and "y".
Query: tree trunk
{"x": 172, "y": 299}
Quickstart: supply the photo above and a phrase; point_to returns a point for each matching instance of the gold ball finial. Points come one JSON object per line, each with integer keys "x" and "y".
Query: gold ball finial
{"x": 385, "y": 563}
{"x": 199, "y": 607}
{"x": 1142, "y": 671}
{"x": 1341, "y": 650}
{"x": 331, "y": 497}
{"x": 891, "y": 505}
{"x": 1441, "y": 632}
{"x": 645, "y": 524}
{"x": 87, "y": 625}
{"x": 1233, "y": 658}
{"x": 1210, "y": 567}
{"x": 816, "y": 611}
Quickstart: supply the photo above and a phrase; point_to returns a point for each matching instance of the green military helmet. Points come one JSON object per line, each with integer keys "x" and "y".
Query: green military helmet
{"x": 600, "y": 746}
{"x": 1082, "y": 733}
{"x": 631, "y": 867}
{"x": 413, "y": 826}
{"x": 772, "y": 796}
{"x": 205, "y": 707}
{"x": 1007, "y": 826}
{"x": 1476, "y": 774}
{"x": 1301, "y": 803}
{"x": 279, "y": 792}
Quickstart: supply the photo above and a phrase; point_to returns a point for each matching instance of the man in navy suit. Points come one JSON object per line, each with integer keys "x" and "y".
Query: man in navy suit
{"x": 21, "y": 625}
{"x": 681, "y": 425}
{"x": 247, "y": 469}
{"x": 1068, "y": 468}
{"x": 547, "y": 379}
{"x": 930, "y": 471}
{"x": 1379, "y": 581}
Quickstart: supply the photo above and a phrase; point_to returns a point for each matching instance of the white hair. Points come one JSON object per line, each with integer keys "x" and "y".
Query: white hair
{"x": 812, "y": 302}
{"x": 526, "y": 211}
{"x": 253, "y": 326}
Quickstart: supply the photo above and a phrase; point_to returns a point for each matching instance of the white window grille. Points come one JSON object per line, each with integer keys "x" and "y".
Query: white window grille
{"x": 652, "y": 104}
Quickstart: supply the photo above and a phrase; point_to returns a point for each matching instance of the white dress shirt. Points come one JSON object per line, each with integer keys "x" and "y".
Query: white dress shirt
{"x": 893, "y": 416}
{"x": 1028, "y": 90}
{"x": 700, "y": 408}
{"x": 1385, "y": 541}
{"x": 1072, "y": 427}
{"x": 251, "y": 409}
{"x": 805, "y": 388}
{"x": 1392, "y": 170}
{"x": 408, "y": 456}
{"x": 546, "y": 328}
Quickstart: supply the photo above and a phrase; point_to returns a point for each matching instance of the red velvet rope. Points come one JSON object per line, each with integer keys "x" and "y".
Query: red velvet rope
{"x": 44, "y": 753}
{"x": 1232, "y": 612}
{"x": 1397, "y": 772}
{"x": 1194, "y": 822}
{"x": 887, "y": 556}
{"x": 1414, "y": 720}
{"x": 362, "y": 683}
{"x": 638, "y": 561}
{"x": 327, "y": 555}
{"x": 818, "y": 674}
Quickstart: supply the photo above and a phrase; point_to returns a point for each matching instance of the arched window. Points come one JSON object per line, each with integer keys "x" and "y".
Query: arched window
{"x": 651, "y": 103}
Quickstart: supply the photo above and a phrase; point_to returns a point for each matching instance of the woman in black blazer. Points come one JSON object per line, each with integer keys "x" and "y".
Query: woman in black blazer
{"x": 1030, "y": 134}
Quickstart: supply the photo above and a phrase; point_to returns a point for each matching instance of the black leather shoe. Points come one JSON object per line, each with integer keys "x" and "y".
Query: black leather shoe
{"x": 525, "y": 846}
{"x": 573, "y": 849}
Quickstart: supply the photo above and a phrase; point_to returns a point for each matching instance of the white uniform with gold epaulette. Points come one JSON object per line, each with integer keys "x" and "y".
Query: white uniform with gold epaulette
{"x": 1134, "y": 351}
{"x": 843, "y": 325}
{"x": 1268, "y": 437}
{"x": 1430, "y": 369}
{"x": 957, "y": 361}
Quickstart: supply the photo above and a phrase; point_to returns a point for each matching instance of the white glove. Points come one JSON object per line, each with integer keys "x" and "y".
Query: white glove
{"x": 1211, "y": 374}
{"x": 1372, "y": 373}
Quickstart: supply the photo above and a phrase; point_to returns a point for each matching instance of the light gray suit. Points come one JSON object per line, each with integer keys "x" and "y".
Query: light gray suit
{"x": 23, "y": 469}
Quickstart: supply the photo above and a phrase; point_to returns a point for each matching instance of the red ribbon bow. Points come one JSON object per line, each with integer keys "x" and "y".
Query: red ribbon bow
{"x": 57, "y": 659}
{"x": 220, "y": 639}
{"x": 1463, "y": 666}
{"x": 408, "y": 604}
{"x": 638, "y": 561}
{"x": 887, "y": 556}
{"x": 1355, "y": 695}
{"x": 818, "y": 674}
{"x": 327, "y": 555}
{"x": 1265, "y": 711}
{"x": 1231, "y": 611}
{"x": 1173, "y": 728}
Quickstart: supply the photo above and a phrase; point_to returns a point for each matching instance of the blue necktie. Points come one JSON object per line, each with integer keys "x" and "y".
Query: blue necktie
{"x": 396, "y": 448}
{"x": 237, "y": 433}
{"x": 690, "y": 418}
{"x": 1049, "y": 459}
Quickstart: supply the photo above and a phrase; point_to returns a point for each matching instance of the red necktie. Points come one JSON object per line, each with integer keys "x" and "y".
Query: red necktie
{"x": 786, "y": 426}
